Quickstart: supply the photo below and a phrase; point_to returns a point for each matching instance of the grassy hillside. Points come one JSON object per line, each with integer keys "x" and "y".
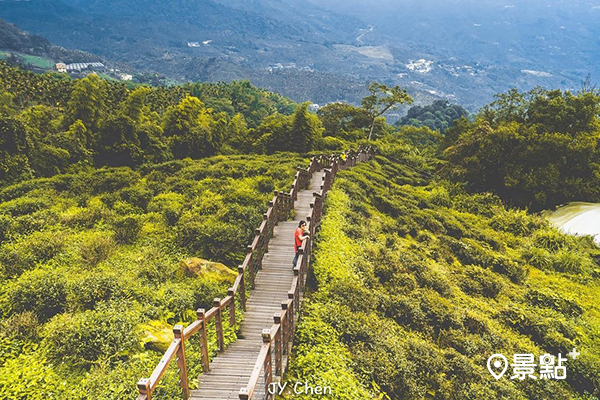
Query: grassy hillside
{"x": 418, "y": 283}
{"x": 92, "y": 277}
{"x": 14, "y": 40}
{"x": 35, "y": 61}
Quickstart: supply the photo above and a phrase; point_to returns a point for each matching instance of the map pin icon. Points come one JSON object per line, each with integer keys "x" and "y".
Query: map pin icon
{"x": 495, "y": 362}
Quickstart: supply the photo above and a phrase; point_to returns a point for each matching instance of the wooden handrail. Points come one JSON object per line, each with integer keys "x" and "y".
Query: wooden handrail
{"x": 277, "y": 338}
{"x": 164, "y": 362}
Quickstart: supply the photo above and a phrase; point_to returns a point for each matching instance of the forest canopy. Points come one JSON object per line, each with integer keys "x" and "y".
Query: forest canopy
{"x": 537, "y": 149}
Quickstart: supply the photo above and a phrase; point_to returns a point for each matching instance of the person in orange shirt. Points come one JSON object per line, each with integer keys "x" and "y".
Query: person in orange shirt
{"x": 300, "y": 235}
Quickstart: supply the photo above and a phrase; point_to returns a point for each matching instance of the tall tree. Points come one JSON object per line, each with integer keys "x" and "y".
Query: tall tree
{"x": 382, "y": 99}
{"x": 135, "y": 103}
{"x": 189, "y": 125}
{"x": 87, "y": 102}
{"x": 305, "y": 131}
{"x": 14, "y": 148}
{"x": 344, "y": 121}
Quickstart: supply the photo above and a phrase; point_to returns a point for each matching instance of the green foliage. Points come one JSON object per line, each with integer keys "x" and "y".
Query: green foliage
{"x": 438, "y": 116}
{"x": 344, "y": 121}
{"x": 88, "y": 258}
{"x": 87, "y": 101}
{"x": 127, "y": 229}
{"x": 242, "y": 98}
{"x": 418, "y": 282}
{"x": 86, "y": 338}
{"x": 88, "y": 291}
{"x": 36, "y": 382}
{"x": 535, "y": 150}
{"x": 305, "y": 130}
{"x": 39, "y": 291}
{"x": 420, "y": 137}
{"x": 50, "y": 126}
{"x": 300, "y": 132}
{"x": 189, "y": 126}
{"x": 383, "y": 99}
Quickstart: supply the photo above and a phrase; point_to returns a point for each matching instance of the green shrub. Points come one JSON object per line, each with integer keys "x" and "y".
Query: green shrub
{"x": 88, "y": 291}
{"x": 24, "y": 206}
{"x": 96, "y": 247}
{"x": 204, "y": 292}
{"x": 331, "y": 143}
{"x": 513, "y": 221}
{"x": 137, "y": 195}
{"x": 40, "y": 291}
{"x": 84, "y": 339}
{"x": 21, "y": 326}
{"x": 265, "y": 184}
{"x": 126, "y": 229}
{"x": 538, "y": 257}
{"x": 178, "y": 302}
{"x": 439, "y": 196}
{"x": 37, "y": 221}
{"x": 551, "y": 240}
{"x": 39, "y": 247}
{"x": 546, "y": 298}
{"x": 85, "y": 217}
{"x": 429, "y": 278}
{"x": 5, "y": 223}
{"x": 110, "y": 180}
{"x": 212, "y": 239}
{"x": 30, "y": 377}
{"x": 170, "y": 205}
{"x": 570, "y": 261}
{"x": 477, "y": 280}
{"x": 514, "y": 270}
{"x": 485, "y": 204}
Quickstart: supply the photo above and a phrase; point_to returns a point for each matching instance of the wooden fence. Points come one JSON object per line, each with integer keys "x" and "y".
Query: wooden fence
{"x": 278, "y": 339}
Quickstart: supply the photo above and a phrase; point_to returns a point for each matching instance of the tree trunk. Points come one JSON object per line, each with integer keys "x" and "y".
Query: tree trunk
{"x": 372, "y": 128}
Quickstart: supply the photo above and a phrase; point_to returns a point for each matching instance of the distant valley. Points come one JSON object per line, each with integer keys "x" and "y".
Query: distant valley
{"x": 329, "y": 51}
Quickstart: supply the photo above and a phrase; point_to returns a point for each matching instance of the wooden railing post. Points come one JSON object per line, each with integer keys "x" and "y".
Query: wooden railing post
{"x": 144, "y": 388}
{"x": 268, "y": 231}
{"x": 284, "y": 326}
{"x": 250, "y": 265}
{"x": 258, "y": 250}
{"x": 219, "y": 324}
{"x": 277, "y": 209}
{"x": 288, "y": 306}
{"x": 203, "y": 341}
{"x": 278, "y": 345}
{"x": 231, "y": 293}
{"x": 318, "y": 207}
{"x": 242, "y": 287}
{"x": 266, "y": 337}
{"x": 181, "y": 364}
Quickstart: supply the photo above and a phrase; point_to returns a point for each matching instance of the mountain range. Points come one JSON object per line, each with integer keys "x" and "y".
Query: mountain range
{"x": 324, "y": 51}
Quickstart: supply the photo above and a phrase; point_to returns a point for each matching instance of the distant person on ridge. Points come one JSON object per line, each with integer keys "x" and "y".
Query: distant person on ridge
{"x": 300, "y": 235}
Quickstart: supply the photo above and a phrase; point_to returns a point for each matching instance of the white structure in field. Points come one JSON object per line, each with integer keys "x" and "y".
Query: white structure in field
{"x": 78, "y": 67}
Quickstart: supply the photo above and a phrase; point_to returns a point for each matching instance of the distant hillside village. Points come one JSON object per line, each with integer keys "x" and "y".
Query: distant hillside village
{"x": 79, "y": 69}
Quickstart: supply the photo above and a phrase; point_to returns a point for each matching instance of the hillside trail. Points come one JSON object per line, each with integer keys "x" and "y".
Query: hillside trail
{"x": 231, "y": 370}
